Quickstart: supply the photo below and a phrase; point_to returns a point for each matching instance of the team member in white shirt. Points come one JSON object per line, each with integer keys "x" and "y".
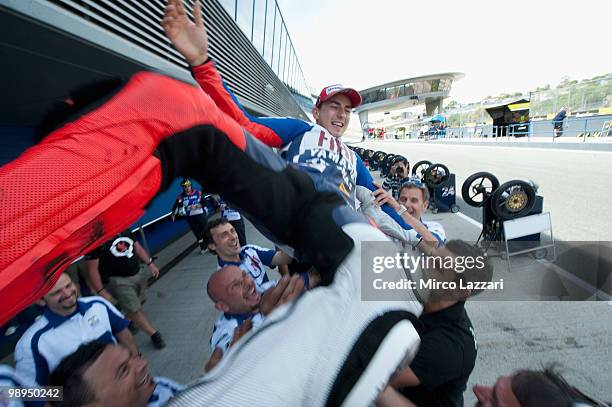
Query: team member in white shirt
{"x": 223, "y": 240}
{"x": 235, "y": 294}
{"x": 9, "y": 379}
{"x": 66, "y": 323}
{"x": 413, "y": 202}
{"x": 105, "y": 374}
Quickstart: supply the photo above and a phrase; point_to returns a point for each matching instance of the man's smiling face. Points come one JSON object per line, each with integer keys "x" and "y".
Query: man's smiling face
{"x": 334, "y": 114}
{"x": 119, "y": 378}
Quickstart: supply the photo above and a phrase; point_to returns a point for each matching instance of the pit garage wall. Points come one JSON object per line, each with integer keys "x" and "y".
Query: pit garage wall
{"x": 71, "y": 43}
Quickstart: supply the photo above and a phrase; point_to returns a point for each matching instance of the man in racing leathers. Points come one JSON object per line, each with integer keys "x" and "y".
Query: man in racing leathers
{"x": 177, "y": 130}
{"x": 317, "y": 149}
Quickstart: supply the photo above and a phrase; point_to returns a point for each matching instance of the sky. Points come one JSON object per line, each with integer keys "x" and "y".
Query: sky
{"x": 515, "y": 48}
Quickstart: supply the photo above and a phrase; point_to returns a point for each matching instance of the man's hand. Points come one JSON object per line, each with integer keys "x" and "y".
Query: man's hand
{"x": 241, "y": 330}
{"x": 189, "y": 38}
{"x": 153, "y": 270}
{"x": 214, "y": 359}
{"x": 285, "y": 291}
{"x": 281, "y": 258}
{"x": 384, "y": 197}
{"x": 314, "y": 278}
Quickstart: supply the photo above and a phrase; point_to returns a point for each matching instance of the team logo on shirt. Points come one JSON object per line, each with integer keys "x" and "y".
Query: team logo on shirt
{"x": 255, "y": 263}
{"x": 93, "y": 320}
{"x": 122, "y": 247}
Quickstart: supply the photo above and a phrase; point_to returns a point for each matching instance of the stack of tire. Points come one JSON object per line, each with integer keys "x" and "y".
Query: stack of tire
{"x": 440, "y": 183}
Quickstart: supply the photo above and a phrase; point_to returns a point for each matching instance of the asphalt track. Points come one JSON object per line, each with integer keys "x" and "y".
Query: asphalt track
{"x": 576, "y": 185}
{"x": 510, "y": 335}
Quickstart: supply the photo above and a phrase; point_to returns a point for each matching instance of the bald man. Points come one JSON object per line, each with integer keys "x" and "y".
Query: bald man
{"x": 234, "y": 293}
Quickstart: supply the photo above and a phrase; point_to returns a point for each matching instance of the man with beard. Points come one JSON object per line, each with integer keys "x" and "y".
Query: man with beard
{"x": 66, "y": 323}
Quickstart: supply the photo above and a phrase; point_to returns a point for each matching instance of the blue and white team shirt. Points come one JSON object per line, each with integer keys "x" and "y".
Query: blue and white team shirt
{"x": 190, "y": 204}
{"x": 436, "y": 229}
{"x": 223, "y": 332}
{"x": 164, "y": 390}
{"x": 252, "y": 260}
{"x": 319, "y": 152}
{"x": 53, "y": 337}
{"x": 10, "y": 378}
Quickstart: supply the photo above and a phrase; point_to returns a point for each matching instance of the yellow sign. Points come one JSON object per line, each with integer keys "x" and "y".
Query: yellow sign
{"x": 605, "y": 110}
{"x": 518, "y": 106}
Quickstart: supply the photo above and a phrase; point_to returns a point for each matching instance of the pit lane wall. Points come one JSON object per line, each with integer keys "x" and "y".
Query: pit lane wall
{"x": 77, "y": 42}
{"x": 52, "y": 46}
{"x": 593, "y": 127}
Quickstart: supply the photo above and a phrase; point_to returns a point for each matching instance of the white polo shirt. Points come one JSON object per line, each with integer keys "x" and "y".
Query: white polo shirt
{"x": 436, "y": 229}
{"x": 53, "y": 337}
{"x": 223, "y": 331}
{"x": 252, "y": 260}
{"x": 9, "y": 378}
{"x": 164, "y": 390}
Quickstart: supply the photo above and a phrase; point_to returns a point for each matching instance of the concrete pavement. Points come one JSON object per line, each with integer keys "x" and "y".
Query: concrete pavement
{"x": 575, "y": 184}
{"x": 510, "y": 334}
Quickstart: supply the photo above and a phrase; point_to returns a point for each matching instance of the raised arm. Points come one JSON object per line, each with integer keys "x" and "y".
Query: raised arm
{"x": 191, "y": 40}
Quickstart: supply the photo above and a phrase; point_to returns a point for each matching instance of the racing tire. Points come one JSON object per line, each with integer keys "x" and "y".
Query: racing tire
{"x": 513, "y": 199}
{"x": 419, "y": 168}
{"x": 475, "y": 191}
{"x": 432, "y": 175}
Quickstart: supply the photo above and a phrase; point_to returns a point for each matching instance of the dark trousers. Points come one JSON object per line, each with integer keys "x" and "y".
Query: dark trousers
{"x": 197, "y": 223}
{"x": 239, "y": 226}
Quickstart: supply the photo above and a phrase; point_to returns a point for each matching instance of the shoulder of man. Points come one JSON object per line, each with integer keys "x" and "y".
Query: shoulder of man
{"x": 436, "y": 229}
{"x": 222, "y": 333}
{"x": 164, "y": 390}
{"x": 254, "y": 247}
{"x": 103, "y": 302}
{"x": 263, "y": 253}
{"x": 10, "y": 378}
{"x": 24, "y": 344}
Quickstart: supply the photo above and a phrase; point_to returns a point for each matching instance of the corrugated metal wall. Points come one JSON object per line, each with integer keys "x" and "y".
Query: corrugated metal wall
{"x": 242, "y": 67}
